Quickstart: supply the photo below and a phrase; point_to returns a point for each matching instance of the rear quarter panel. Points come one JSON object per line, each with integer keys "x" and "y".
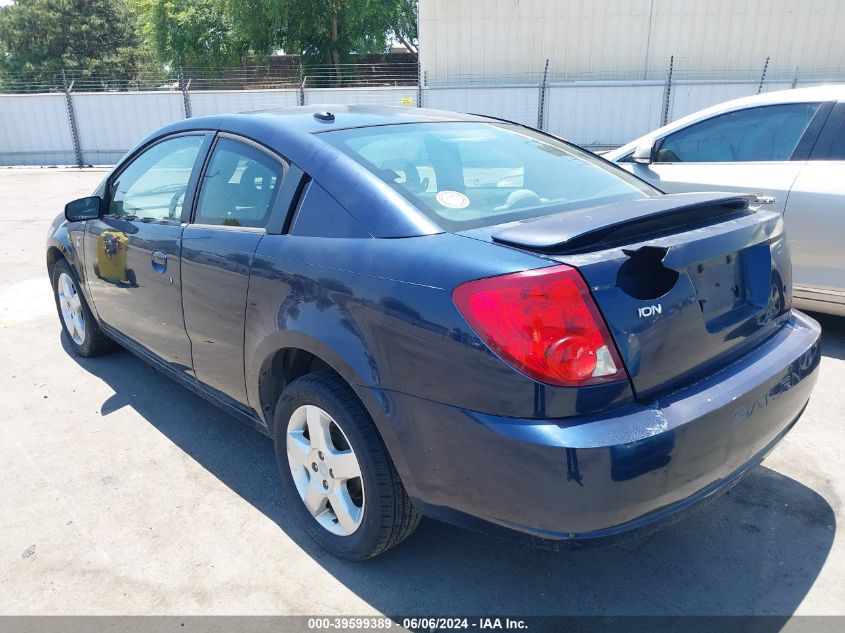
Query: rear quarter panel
{"x": 380, "y": 312}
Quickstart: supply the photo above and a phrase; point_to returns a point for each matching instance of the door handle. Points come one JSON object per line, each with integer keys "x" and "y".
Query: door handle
{"x": 159, "y": 261}
{"x": 765, "y": 199}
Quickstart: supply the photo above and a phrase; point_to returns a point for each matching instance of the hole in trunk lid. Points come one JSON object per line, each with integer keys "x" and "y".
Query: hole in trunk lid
{"x": 644, "y": 276}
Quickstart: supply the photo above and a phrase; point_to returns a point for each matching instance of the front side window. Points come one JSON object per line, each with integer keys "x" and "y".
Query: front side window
{"x": 766, "y": 133}
{"x": 239, "y": 186}
{"x": 153, "y": 186}
{"x": 470, "y": 174}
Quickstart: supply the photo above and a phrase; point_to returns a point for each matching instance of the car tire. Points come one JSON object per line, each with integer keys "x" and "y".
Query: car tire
{"x": 78, "y": 322}
{"x": 385, "y": 516}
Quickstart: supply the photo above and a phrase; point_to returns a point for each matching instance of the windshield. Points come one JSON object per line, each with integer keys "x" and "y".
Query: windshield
{"x": 470, "y": 174}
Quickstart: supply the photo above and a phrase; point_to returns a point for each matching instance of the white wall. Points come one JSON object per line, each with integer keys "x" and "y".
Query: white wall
{"x": 603, "y": 116}
{"x": 362, "y": 96}
{"x": 34, "y": 130}
{"x": 226, "y": 101}
{"x": 516, "y": 104}
{"x": 112, "y": 122}
{"x": 509, "y": 40}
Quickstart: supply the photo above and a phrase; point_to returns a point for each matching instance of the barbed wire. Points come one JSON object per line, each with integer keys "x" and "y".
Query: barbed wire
{"x": 293, "y": 74}
{"x": 252, "y": 77}
{"x": 800, "y": 75}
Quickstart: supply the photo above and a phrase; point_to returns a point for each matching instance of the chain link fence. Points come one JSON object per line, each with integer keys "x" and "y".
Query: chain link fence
{"x": 73, "y": 118}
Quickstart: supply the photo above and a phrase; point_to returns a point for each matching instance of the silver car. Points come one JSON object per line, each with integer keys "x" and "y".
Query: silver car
{"x": 788, "y": 148}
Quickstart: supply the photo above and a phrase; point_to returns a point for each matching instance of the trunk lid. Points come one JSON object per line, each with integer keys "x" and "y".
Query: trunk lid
{"x": 685, "y": 282}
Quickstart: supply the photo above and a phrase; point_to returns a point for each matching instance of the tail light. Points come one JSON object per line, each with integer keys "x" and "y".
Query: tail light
{"x": 544, "y": 323}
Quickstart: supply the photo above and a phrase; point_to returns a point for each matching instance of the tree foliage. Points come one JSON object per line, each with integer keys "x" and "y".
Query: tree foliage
{"x": 119, "y": 37}
{"x": 192, "y": 32}
{"x": 319, "y": 28}
{"x": 325, "y": 31}
{"x": 329, "y": 30}
{"x": 402, "y": 15}
{"x": 41, "y": 37}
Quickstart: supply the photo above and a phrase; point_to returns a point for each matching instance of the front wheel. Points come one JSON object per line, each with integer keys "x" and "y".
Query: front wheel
{"x": 335, "y": 470}
{"x": 78, "y": 322}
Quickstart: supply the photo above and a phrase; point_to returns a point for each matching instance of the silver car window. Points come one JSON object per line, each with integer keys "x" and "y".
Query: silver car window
{"x": 766, "y": 133}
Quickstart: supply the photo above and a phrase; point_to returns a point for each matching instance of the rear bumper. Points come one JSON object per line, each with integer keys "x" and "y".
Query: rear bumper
{"x": 632, "y": 468}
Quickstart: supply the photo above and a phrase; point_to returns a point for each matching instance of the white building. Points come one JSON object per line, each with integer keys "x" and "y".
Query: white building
{"x": 510, "y": 40}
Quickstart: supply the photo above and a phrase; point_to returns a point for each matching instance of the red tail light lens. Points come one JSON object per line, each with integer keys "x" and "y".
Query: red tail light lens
{"x": 544, "y": 323}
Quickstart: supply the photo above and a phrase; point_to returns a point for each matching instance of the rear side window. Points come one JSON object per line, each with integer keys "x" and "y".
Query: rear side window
{"x": 239, "y": 186}
{"x": 470, "y": 174}
{"x": 767, "y": 133}
{"x": 320, "y": 215}
{"x": 153, "y": 186}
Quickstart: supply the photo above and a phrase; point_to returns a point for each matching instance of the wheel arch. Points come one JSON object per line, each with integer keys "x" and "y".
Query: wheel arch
{"x": 60, "y": 246}
{"x": 54, "y": 254}
{"x": 284, "y": 363}
{"x": 281, "y": 368}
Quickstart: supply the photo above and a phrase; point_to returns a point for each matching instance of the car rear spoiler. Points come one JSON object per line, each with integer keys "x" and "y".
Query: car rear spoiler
{"x": 609, "y": 225}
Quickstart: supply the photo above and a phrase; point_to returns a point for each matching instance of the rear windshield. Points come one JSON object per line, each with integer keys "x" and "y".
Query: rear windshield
{"x": 470, "y": 174}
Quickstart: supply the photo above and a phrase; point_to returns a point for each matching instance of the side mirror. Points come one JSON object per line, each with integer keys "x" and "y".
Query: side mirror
{"x": 643, "y": 154}
{"x": 83, "y": 209}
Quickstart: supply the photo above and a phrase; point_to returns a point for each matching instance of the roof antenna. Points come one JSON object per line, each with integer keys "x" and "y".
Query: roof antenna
{"x": 324, "y": 117}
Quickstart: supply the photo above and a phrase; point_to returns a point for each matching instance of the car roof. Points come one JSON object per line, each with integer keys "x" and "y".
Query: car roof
{"x": 303, "y": 119}
{"x": 833, "y": 92}
{"x": 294, "y": 134}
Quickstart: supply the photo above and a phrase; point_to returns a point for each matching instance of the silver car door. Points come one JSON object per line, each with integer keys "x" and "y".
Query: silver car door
{"x": 815, "y": 225}
{"x": 770, "y": 180}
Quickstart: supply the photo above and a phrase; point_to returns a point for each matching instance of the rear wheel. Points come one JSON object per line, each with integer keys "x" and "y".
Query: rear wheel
{"x": 336, "y": 472}
{"x": 78, "y": 322}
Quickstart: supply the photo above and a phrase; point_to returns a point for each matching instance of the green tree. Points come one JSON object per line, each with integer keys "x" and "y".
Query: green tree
{"x": 325, "y": 31}
{"x": 191, "y": 32}
{"x": 91, "y": 38}
{"x": 262, "y": 23}
{"x": 402, "y": 18}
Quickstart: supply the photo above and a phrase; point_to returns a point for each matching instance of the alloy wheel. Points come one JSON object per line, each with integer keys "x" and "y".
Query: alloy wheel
{"x": 70, "y": 304}
{"x": 325, "y": 470}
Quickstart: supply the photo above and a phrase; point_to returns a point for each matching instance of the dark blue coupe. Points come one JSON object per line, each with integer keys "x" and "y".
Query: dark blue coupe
{"x": 445, "y": 315}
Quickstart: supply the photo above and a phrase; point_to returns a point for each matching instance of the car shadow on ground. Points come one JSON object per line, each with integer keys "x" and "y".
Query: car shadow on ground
{"x": 756, "y": 550}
